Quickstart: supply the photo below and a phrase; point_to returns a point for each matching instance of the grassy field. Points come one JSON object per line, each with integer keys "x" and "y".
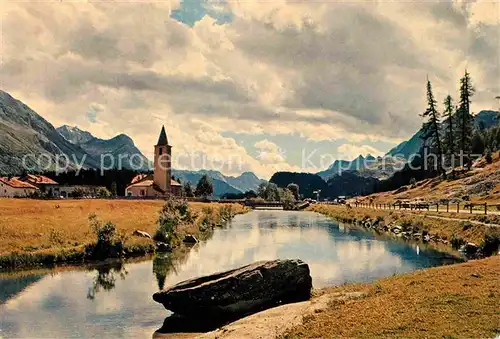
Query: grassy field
{"x": 457, "y": 301}
{"x": 51, "y": 227}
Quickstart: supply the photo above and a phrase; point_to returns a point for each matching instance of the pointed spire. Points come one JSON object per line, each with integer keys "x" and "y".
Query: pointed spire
{"x": 162, "y": 140}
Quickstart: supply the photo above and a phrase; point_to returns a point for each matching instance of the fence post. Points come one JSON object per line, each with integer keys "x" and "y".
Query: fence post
{"x": 470, "y": 208}
{"x": 458, "y": 207}
{"x": 485, "y": 208}
{"x": 437, "y": 207}
{"x": 447, "y": 206}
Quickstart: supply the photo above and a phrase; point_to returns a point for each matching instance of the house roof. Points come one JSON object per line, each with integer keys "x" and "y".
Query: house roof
{"x": 162, "y": 140}
{"x": 144, "y": 183}
{"x": 140, "y": 177}
{"x": 16, "y": 183}
{"x": 38, "y": 180}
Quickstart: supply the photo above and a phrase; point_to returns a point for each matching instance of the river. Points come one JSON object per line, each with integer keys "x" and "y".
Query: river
{"x": 115, "y": 301}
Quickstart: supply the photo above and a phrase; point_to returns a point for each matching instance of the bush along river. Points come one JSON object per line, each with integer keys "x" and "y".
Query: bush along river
{"x": 115, "y": 300}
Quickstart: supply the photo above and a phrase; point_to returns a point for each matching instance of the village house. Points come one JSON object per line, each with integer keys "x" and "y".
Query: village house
{"x": 160, "y": 183}
{"x": 15, "y": 188}
{"x": 43, "y": 183}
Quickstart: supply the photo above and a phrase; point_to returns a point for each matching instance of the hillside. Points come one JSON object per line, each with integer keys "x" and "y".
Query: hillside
{"x": 481, "y": 184}
{"x": 25, "y": 134}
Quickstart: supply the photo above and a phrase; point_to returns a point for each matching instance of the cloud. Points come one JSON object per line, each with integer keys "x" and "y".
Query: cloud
{"x": 324, "y": 71}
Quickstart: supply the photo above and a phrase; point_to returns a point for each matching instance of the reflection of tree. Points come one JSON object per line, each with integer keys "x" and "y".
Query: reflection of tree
{"x": 161, "y": 267}
{"x": 106, "y": 278}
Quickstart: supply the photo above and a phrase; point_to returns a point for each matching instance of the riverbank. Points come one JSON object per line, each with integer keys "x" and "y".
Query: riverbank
{"x": 46, "y": 232}
{"x": 415, "y": 226}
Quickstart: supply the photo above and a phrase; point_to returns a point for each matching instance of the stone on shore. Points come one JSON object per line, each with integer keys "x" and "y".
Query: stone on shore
{"x": 141, "y": 234}
{"x": 190, "y": 239}
{"x": 236, "y": 293}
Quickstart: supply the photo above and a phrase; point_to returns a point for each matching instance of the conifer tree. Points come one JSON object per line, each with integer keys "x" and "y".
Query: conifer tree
{"x": 431, "y": 128}
{"x": 449, "y": 136}
{"x": 465, "y": 120}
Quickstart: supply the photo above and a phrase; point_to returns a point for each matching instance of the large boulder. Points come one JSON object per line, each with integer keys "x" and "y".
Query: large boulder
{"x": 238, "y": 292}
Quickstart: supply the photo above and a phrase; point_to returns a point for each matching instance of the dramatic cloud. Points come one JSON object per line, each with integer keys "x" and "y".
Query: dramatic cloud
{"x": 350, "y": 71}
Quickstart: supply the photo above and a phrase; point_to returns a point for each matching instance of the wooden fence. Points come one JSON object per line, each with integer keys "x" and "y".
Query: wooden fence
{"x": 434, "y": 207}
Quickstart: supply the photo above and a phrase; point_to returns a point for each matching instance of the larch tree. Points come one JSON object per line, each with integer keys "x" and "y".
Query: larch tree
{"x": 449, "y": 135}
{"x": 431, "y": 128}
{"x": 465, "y": 119}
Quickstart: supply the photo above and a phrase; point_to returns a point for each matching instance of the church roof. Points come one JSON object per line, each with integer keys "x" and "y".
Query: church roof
{"x": 162, "y": 140}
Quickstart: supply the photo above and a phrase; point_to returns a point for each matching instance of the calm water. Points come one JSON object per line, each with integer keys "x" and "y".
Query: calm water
{"x": 116, "y": 301}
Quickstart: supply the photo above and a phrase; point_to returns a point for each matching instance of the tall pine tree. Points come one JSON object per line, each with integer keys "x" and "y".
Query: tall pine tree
{"x": 431, "y": 128}
{"x": 449, "y": 136}
{"x": 465, "y": 120}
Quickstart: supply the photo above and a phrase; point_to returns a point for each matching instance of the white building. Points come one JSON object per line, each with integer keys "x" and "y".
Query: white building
{"x": 13, "y": 187}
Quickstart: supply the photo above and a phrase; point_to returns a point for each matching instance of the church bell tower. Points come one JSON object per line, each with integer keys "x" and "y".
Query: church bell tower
{"x": 163, "y": 162}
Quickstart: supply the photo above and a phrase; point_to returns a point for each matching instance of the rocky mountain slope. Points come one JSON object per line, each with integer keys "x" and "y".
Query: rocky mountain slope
{"x": 24, "y": 134}
{"x": 119, "y": 147}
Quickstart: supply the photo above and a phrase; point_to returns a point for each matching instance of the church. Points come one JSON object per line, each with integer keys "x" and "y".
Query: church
{"x": 160, "y": 183}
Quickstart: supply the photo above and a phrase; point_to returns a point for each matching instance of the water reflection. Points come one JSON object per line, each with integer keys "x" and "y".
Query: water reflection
{"x": 115, "y": 301}
{"x": 105, "y": 278}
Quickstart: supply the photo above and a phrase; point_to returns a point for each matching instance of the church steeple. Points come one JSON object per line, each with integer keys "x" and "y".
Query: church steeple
{"x": 163, "y": 162}
{"x": 162, "y": 140}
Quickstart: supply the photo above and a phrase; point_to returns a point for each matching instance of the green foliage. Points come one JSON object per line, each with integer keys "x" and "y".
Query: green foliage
{"x": 269, "y": 191}
{"x": 491, "y": 243}
{"x": 188, "y": 190}
{"x": 294, "y": 188}
{"x": 109, "y": 243}
{"x": 172, "y": 213}
{"x": 77, "y": 193}
{"x": 456, "y": 242}
{"x": 465, "y": 120}
{"x": 225, "y": 213}
{"x": 114, "y": 189}
{"x": 431, "y": 128}
{"x": 103, "y": 193}
{"x": 55, "y": 237}
{"x": 287, "y": 198}
{"x": 204, "y": 188}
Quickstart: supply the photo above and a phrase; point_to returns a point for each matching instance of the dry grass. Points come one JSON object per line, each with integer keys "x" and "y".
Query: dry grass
{"x": 29, "y": 226}
{"x": 442, "y": 228}
{"x": 457, "y": 301}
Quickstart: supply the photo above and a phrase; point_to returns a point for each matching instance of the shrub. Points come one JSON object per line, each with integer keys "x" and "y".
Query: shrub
{"x": 456, "y": 242}
{"x": 418, "y": 225}
{"x": 55, "y": 237}
{"x": 109, "y": 243}
{"x": 491, "y": 242}
{"x": 466, "y": 225}
{"x": 225, "y": 213}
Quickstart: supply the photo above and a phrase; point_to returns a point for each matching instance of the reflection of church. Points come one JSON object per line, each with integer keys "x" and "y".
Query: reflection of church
{"x": 160, "y": 183}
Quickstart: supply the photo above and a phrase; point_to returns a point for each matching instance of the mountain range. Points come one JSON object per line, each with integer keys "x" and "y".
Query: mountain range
{"x": 223, "y": 184}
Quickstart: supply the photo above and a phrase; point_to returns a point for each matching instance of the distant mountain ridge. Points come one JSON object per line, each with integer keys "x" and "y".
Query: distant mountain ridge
{"x": 120, "y": 146}
{"x": 222, "y": 184}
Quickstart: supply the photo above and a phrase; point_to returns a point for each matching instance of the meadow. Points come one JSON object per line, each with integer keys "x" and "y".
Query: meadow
{"x": 58, "y": 227}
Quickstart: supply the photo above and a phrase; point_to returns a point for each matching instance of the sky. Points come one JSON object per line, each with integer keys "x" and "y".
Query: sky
{"x": 260, "y": 86}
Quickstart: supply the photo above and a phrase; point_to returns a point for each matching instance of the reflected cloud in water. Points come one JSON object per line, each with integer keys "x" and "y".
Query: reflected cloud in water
{"x": 116, "y": 301}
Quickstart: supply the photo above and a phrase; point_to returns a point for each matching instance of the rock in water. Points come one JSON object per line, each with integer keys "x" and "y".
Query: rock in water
{"x": 238, "y": 292}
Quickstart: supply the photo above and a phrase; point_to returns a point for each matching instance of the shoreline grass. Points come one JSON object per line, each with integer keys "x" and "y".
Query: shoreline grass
{"x": 453, "y": 301}
{"x": 445, "y": 230}
{"x": 46, "y": 233}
